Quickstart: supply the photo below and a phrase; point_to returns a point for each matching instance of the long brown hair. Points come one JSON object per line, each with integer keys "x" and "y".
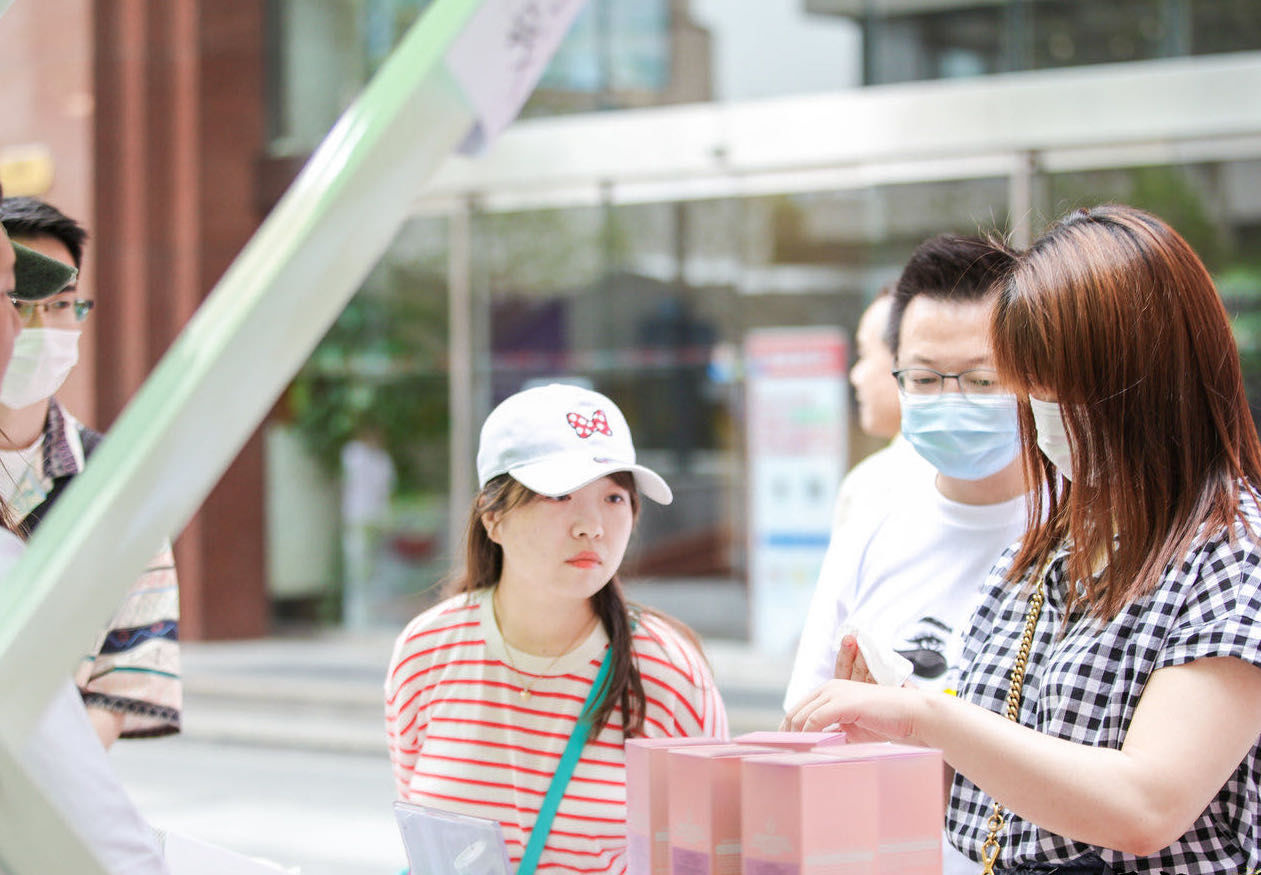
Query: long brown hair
{"x": 484, "y": 562}
{"x": 1114, "y": 315}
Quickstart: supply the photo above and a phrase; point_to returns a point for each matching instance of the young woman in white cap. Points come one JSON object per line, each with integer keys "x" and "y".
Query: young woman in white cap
{"x": 485, "y": 690}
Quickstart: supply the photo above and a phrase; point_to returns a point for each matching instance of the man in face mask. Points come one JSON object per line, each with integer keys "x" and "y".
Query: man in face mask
{"x": 62, "y": 754}
{"x": 130, "y": 682}
{"x": 907, "y": 568}
{"x": 905, "y": 572}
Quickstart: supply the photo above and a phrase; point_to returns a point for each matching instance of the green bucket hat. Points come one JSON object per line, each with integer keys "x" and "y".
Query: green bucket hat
{"x": 36, "y": 276}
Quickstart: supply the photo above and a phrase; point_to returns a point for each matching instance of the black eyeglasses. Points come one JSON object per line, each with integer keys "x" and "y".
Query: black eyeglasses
{"x": 928, "y": 381}
{"x": 59, "y": 311}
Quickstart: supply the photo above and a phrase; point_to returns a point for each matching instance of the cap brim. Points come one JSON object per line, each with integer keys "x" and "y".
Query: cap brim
{"x": 36, "y": 276}
{"x": 561, "y": 476}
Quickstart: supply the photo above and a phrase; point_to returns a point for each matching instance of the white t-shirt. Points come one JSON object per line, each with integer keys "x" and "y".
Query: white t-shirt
{"x": 878, "y": 480}
{"x": 65, "y": 757}
{"x": 368, "y": 479}
{"x": 22, "y": 471}
{"x": 906, "y": 567}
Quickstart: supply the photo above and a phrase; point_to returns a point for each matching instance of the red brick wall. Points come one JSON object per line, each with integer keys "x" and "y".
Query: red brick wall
{"x": 179, "y": 133}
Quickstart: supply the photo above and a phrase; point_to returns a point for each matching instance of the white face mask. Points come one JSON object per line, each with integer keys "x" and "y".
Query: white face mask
{"x": 42, "y": 359}
{"x": 1052, "y": 437}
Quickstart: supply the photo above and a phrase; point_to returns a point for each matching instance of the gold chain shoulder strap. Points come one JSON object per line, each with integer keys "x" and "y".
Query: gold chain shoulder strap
{"x": 991, "y": 846}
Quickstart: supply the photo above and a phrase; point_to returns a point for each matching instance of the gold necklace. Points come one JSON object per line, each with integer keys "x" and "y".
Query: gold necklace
{"x": 527, "y": 686}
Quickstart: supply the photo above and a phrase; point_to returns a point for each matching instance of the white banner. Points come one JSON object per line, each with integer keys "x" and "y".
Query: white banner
{"x": 798, "y": 444}
{"x": 498, "y": 59}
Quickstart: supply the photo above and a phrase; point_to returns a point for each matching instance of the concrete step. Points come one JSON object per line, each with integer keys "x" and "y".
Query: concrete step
{"x": 355, "y": 730}
{"x": 325, "y": 693}
{"x": 285, "y": 725}
{"x": 266, "y": 713}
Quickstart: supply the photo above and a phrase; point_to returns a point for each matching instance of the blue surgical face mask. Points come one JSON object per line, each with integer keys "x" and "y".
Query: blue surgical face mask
{"x": 968, "y": 438}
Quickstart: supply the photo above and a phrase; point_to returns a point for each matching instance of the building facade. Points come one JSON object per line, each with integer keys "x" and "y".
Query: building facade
{"x": 688, "y": 175}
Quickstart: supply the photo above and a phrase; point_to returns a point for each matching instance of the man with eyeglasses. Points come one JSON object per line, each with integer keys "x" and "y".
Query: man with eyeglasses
{"x": 130, "y": 682}
{"x": 62, "y": 753}
{"x": 906, "y": 573}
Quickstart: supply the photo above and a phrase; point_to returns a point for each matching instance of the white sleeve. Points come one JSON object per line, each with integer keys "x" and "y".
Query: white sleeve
{"x": 845, "y": 497}
{"x": 65, "y": 757}
{"x": 829, "y": 608}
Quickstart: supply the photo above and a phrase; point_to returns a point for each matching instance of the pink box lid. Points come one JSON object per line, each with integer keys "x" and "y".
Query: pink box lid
{"x": 723, "y": 750}
{"x": 802, "y": 741}
{"x": 674, "y": 741}
{"x": 880, "y": 749}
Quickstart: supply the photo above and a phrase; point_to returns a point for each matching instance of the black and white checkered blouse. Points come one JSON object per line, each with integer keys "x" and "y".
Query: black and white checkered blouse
{"x": 1085, "y": 685}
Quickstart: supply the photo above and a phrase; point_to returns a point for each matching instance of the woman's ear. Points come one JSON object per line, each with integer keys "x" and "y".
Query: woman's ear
{"x": 490, "y": 522}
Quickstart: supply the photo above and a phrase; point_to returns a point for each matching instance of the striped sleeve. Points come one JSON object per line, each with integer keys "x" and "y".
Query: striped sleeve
{"x": 439, "y": 637}
{"x": 682, "y": 698}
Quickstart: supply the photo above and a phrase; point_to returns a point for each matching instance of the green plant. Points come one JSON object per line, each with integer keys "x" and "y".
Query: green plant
{"x": 381, "y": 371}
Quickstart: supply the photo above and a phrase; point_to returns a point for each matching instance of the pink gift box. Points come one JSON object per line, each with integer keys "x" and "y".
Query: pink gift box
{"x": 647, "y": 800}
{"x": 704, "y": 807}
{"x": 909, "y": 805}
{"x": 809, "y": 814}
{"x": 796, "y": 741}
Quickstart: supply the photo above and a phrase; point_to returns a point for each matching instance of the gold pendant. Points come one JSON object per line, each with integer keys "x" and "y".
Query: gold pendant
{"x": 525, "y": 694}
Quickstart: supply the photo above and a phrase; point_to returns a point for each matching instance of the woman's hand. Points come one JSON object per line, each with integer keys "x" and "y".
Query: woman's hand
{"x": 866, "y": 712}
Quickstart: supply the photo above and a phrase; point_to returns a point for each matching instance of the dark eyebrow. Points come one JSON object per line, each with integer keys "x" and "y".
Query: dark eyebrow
{"x": 968, "y": 364}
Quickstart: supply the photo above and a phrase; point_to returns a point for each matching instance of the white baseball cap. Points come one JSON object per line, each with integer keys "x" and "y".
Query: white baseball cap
{"x": 556, "y": 439}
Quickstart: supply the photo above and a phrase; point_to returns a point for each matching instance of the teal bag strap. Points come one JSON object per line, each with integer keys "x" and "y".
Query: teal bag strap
{"x": 564, "y": 770}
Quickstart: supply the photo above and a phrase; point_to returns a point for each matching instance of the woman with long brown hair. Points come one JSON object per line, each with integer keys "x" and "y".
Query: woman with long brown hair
{"x": 488, "y": 690}
{"x": 1109, "y": 714}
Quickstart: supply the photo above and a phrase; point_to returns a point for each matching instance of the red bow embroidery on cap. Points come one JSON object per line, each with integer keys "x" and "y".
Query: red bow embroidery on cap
{"x": 587, "y": 427}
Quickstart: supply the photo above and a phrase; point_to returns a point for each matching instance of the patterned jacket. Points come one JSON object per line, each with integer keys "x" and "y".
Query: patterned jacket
{"x": 134, "y": 667}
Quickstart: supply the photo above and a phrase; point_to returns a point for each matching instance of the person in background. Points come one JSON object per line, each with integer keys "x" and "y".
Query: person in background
{"x": 875, "y": 389}
{"x": 1109, "y": 713}
{"x": 63, "y": 755}
{"x": 485, "y": 689}
{"x": 130, "y": 682}
{"x": 879, "y": 478}
{"x": 368, "y": 478}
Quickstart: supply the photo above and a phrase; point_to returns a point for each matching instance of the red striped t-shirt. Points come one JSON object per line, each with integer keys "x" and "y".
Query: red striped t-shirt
{"x": 462, "y": 737}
